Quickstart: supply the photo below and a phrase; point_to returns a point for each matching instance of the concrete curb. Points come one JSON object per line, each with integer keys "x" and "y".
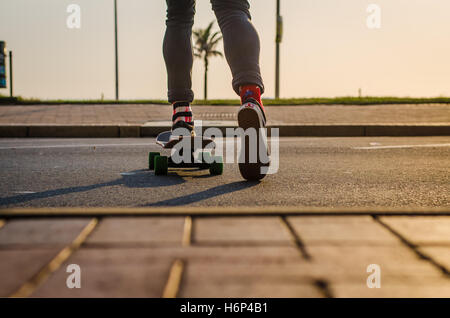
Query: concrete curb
{"x": 286, "y": 130}
{"x": 218, "y": 211}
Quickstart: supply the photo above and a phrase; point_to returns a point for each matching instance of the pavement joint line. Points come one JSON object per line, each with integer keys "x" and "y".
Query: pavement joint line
{"x": 7, "y": 213}
{"x": 296, "y": 238}
{"x": 38, "y": 279}
{"x": 322, "y": 284}
{"x": 173, "y": 283}
{"x": 324, "y": 287}
{"x": 187, "y": 232}
{"x": 413, "y": 247}
{"x": 174, "y": 280}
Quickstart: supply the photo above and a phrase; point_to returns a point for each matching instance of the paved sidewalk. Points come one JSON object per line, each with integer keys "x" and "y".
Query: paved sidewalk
{"x": 283, "y": 255}
{"x": 140, "y": 114}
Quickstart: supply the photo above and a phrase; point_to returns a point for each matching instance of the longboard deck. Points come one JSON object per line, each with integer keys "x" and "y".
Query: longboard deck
{"x": 165, "y": 141}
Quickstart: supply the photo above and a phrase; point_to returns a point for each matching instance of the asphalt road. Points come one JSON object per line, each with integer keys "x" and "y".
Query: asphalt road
{"x": 331, "y": 172}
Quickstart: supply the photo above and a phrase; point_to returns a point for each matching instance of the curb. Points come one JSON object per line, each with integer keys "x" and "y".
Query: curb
{"x": 286, "y": 130}
{"x": 218, "y": 211}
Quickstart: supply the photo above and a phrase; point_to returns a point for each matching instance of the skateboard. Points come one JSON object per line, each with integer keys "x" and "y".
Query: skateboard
{"x": 204, "y": 159}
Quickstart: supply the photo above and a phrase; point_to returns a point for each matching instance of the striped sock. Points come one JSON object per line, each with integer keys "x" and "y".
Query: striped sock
{"x": 182, "y": 112}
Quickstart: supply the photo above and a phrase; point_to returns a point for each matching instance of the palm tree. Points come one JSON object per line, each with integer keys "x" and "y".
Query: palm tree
{"x": 205, "y": 47}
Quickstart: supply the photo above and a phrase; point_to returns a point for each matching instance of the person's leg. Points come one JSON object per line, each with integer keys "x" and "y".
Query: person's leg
{"x": 241, "y": 42}
{"x": 177, "y": 50}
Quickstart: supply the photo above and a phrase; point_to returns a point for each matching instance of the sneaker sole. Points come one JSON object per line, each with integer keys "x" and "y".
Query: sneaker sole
{"x": 248, "y": 118}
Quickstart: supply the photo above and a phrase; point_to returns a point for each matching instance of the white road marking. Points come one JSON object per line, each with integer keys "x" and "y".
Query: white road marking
{"x": 74, "y": 146}
{"x": 402, "y": 146}
{"x": 127, "y": 173}
{"x": 220, "y": 141}
{"x": 24, "y": 192}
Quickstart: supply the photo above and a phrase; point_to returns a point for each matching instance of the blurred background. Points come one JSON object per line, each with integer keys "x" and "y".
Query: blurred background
{"x": 327, "y": 49}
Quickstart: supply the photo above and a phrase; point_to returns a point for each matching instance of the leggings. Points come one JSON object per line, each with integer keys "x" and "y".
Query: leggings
{"x": 241, "y": 45}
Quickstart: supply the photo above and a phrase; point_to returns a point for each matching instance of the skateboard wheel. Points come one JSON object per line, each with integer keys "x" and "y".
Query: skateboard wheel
{"x": 161, "y": 165}
{"x": 151, "y": 160}
{"x": 216, "y": 167}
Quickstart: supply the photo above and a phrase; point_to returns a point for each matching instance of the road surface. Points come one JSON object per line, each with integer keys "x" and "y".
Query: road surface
{"x": 320, "y": 172}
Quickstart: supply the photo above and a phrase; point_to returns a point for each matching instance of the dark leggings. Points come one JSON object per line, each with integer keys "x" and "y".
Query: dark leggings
{"x": 241, "y": 44}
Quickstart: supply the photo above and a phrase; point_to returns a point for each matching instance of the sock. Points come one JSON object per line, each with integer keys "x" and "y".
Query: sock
{"x": 182, "y": 112}
{"x": 251, "y": 91}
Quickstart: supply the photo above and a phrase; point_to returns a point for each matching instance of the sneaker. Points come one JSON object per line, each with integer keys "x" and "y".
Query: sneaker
{"x": 252, "y": 115}
{"x": 182, "y": 128}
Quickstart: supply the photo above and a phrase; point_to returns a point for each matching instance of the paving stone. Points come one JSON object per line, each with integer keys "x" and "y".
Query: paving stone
{"x": 261, "y": 264}
{"x": 249, "y": 290}
{"x": 435, "y": 290}
{"x": 421, "y": 229}
{"x": 441, "y": 254}
{"x": 226, "y": 230}
{"x": 42, "y": 231}
{"x": 143, "y": 272}
{"x": 359, "y": 230}
{"x": 269, "y": 272}
{"x": 241, "y": 254}
{"x": 128, "y": 230}
{"x": 18, "y": 266}
{"x": 247, "y": 280}
{"x": 111, "y": 273}
{"x": 348, "y": 264}
{"x": 275, "y": 255}
{"x": 230, "y": 257}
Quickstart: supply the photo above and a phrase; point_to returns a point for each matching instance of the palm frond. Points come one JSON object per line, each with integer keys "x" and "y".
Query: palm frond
{"x": 215, "y": 53}
{"x": 207, "y": 31}
{"x": 206, "y": 42}
{"x": 213, "y": 38}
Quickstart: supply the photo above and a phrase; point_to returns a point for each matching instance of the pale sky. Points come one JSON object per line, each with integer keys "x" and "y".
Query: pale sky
{"x": 327, "y": 49}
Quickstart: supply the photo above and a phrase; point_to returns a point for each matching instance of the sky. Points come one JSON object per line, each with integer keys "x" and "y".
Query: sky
{"x": 327, "y": 50}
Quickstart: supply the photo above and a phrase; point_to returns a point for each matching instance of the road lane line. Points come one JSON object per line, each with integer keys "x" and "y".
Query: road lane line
{"x": 75, "y": 146}
{"x": 219, "y": 140}
{"x": 173, "y": 282}
{"x": 37, "y": 280}
{"x": 402, "y": 146}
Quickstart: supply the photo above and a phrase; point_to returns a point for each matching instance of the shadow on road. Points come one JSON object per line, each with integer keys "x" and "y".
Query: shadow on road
{"x": 136, "y": 179}
{"x": 204, "y": 195}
